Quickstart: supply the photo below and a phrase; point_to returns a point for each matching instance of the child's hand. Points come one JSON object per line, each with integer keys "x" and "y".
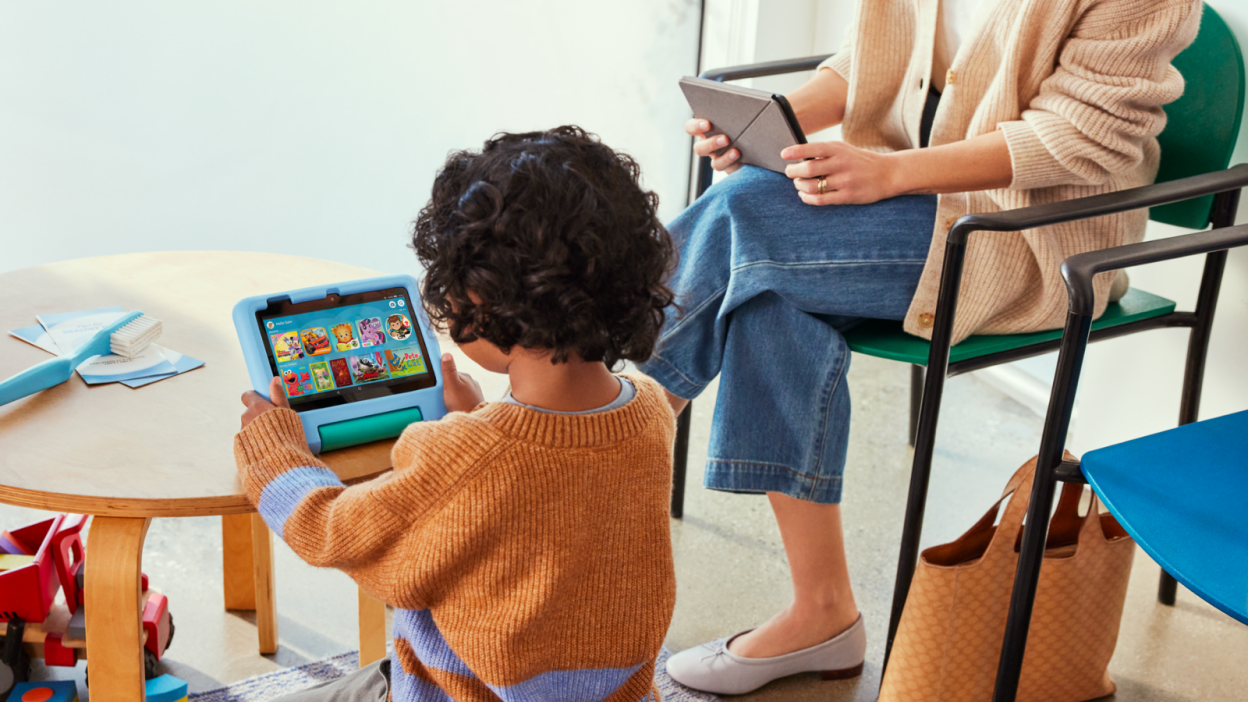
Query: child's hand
{"x": 257, "y": 405}
{"x": 459, "y": 390}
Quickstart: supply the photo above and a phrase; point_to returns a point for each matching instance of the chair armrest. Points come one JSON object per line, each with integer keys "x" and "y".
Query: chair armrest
{"x": 766, "y": 68}
{"x": 1078, "y": 270}
{"x": 1232, "y": 178}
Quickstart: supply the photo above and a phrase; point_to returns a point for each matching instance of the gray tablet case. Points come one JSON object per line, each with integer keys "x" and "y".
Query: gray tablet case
{"x": 759, "y": 124}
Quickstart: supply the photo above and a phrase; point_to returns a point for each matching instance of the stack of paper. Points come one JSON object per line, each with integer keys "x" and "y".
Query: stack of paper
{"x": 63, "y": 333}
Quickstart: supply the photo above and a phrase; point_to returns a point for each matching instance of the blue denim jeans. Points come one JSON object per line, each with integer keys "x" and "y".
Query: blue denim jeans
{"x": 766, "y": 285}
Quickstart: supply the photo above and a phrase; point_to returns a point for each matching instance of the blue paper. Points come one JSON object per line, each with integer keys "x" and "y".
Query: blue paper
{"x": 181, "y": 363}
{"x": 69, "y": 330}
{"x": 36, "y": 335}
{"x": 111, "y": 368}
{"x": 64, "y": 332}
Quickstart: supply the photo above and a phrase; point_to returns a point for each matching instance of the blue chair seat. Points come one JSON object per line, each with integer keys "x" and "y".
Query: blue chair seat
{"x": 1183, "y": 496}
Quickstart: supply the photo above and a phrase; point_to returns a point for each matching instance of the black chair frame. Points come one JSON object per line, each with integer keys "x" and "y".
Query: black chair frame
{"x": 1225, "y": 184}
{"x": 1078, "y": 271}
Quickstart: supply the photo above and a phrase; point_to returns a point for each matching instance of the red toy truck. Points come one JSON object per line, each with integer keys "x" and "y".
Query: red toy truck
{"x": 32, "y": 624}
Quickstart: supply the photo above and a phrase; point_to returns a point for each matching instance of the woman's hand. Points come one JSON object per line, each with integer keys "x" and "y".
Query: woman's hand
{"x": 256, "y": 404}
{"x": 722, "y": 158}
{"x": 851, "y": 176}
{"x": 460, "y": 392}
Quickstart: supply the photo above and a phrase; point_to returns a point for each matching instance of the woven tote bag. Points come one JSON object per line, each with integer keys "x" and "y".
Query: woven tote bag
{"x": 949, "y": 639}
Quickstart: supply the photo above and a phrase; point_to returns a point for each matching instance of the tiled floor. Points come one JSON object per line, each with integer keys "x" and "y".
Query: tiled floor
{"x": 731, "y": 569}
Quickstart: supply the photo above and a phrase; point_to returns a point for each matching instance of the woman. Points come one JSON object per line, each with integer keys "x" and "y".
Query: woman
{"x": 1039, "y": 101}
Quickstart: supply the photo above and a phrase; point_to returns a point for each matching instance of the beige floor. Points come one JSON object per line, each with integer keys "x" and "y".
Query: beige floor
{"x": 731, "y": 569}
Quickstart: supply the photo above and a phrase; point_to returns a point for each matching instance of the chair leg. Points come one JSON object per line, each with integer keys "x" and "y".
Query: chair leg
{"x": 916, "y": 400}
{"x": 372, "y": 623}
{"x": 680, "y": 461}
{"x": 916, "y": 500}
{"x": 1198, "y": 347}
{"x": 1167, "y": 589}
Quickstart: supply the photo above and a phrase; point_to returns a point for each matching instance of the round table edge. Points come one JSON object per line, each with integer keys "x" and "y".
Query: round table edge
{"x": 102, "y": 506}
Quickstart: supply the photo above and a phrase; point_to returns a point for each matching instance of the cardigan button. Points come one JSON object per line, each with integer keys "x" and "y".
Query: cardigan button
{"x": 950, "y": 76}
{"x": 926, "y": 320}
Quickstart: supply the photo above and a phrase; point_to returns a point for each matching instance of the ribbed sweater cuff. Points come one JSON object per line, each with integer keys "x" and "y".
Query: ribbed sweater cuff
{"x": 1034, "y": 165}
{"x": 838, "y": 62}
{"x": 271, "y": 445}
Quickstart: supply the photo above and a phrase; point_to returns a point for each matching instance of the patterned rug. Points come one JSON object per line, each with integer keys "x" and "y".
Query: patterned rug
{"x": 270, "y": 686}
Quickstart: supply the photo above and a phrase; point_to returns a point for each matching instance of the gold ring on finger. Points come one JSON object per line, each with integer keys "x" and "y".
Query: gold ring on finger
{"x": 823, "y": 183}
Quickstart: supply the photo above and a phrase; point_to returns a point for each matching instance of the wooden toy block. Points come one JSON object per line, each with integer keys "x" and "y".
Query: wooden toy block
{"x": 27, "y": 591}
{"x": 77, "y": 628}
{"x": 166, "y": 688}
{"x": 55, "y": 652}
{"x": 7, "y": 546}
{"x": 9, "y": 561}
{"x": 47, "y": 691}
{"x": 19, "y": 547}
{"x": 156, "y": 622}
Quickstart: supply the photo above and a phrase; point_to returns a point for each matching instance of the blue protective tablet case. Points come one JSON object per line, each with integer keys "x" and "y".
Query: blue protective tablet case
{"x": 352, "y": 423}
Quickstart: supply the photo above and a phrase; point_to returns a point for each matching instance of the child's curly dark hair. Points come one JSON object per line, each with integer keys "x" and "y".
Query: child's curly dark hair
{"x": 553, "y": 234}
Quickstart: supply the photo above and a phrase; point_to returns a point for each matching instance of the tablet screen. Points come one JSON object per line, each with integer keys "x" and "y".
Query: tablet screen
{"x": 345, "y": 348}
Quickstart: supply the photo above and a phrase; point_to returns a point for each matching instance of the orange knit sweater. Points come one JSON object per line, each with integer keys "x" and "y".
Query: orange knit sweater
{"x": 527, "y": 554}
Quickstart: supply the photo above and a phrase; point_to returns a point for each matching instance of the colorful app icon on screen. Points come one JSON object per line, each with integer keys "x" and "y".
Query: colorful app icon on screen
{"x": 368, "y": 367}
{"x": 342, "y": 375}
{"x": 370, "y": 332}
{"x": 321, "y": 377}
{"x": 345, "y": 335}
{"x": 297, "y": 381}
{"x": 399, "y": 327}
{"x": 405, "y": 361}
{"x": 315, "y": 341}
{"x": 286, "y": 347}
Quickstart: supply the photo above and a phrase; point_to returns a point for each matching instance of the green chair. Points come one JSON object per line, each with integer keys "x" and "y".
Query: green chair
{"x": 1199, "y": 138}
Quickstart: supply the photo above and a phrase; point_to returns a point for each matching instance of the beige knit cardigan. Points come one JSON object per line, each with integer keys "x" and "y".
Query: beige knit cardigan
{"x": 1077, "y": 86}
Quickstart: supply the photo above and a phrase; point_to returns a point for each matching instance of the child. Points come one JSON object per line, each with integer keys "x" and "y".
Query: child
{"x": 523, "y": 543}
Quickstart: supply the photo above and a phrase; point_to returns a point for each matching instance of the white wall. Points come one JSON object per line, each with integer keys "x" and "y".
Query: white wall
{"x": 737, "y": 32}
{"x": 749, "y": 31}
{"x": 310, "y": 128}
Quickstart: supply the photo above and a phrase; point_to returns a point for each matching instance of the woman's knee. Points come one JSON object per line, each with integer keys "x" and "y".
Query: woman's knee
{"x": 751, "y": 188}
{"x": 732, "y": 208}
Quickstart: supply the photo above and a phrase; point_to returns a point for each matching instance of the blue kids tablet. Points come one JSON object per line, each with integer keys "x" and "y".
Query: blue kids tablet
{"x": 357, "y": 359}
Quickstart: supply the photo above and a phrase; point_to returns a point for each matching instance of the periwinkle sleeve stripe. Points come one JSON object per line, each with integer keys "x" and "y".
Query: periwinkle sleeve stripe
{"x": 592, "y": 685}
{"x": 271, "y": 445}
{"x": 280, "y": 497}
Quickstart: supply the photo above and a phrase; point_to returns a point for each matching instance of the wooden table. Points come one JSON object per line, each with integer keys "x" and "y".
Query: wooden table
{"x": 165, "y": 450}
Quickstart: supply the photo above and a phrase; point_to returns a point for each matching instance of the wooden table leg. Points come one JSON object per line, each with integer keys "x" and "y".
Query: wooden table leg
{"x": 372, "y": 629}
{"x": 266, "y": 606}
{"x": 237, "y": 562}
{"x": 114, "y": 625}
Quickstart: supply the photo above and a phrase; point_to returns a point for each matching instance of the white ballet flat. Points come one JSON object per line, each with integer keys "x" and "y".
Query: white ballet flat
{"x": 711, "y": 667}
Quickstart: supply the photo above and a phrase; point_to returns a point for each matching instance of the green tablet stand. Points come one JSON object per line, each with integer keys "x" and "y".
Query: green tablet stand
{"x": 362, "y": 430}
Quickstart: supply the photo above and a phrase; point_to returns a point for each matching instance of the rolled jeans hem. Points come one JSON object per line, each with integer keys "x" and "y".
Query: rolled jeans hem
{"x": 752, "y": 478}
{"x": 670, "y": 377}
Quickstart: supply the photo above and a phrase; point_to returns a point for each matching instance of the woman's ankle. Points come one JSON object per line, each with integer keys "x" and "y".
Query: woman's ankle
{"x": 832, "y": 615}
{"x": 798, "y": 626}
